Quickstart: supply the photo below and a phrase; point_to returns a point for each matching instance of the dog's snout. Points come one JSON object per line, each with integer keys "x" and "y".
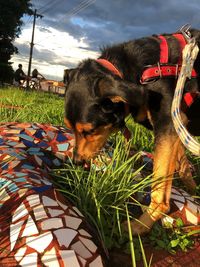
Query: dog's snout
{"x": 77, "y": 159}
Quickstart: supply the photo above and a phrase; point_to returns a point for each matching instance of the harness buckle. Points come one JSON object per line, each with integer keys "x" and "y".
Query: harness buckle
{"x": 159, "y": 69}
{"x": 177, "y": 71}
{"x": 186, "y": 33}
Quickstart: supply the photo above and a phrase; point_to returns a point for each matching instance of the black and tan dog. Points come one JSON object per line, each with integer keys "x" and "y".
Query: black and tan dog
{"x": 138, "y": 78}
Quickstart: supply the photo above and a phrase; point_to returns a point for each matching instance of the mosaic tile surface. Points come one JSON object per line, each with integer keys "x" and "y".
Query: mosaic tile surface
{"x": 37, "y": 227}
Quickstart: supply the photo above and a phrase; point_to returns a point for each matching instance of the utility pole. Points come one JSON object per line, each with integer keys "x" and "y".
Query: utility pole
{"x": 35, "y": 15}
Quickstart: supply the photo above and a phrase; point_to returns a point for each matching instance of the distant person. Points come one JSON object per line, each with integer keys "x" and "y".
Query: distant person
{"x": 36, "y": 78}
{"x": 37, "y": 75}
{"x": 19, "y": 76}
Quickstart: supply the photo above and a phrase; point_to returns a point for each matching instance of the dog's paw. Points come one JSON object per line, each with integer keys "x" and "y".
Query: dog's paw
{"x": 142, "y": 226}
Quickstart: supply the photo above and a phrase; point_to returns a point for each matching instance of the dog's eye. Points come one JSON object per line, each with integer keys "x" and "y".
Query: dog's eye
{"x": 86, "y": 133}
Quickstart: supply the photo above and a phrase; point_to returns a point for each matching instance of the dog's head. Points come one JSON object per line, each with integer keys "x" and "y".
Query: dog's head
{"x": 95, "y": 106}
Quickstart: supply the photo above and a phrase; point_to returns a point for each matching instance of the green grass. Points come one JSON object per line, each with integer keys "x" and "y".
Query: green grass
{"x": 103, "y": 195}
{"x": 35, "y": 106}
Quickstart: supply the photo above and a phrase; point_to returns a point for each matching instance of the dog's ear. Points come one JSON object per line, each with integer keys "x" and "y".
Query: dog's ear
{"x": 122, "y": 91}
{"x": 68, "y": 74}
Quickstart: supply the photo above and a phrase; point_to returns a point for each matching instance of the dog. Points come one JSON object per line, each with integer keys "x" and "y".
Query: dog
{"x": 137, "y": 77}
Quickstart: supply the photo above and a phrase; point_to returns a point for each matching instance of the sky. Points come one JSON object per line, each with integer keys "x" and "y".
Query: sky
{"x": 73, "y": 30}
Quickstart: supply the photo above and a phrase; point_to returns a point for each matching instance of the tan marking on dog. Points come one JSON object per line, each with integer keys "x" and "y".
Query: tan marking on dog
{"x": 165, "y": 158}
{"x": 116, "y": 99}
{"x": 142, "y": 114}
{"x": 88, "y": 146}
{"x": 80, "y": 127}
{"x": 149, "y": 117}
{"x": 183, "y": 167}
{"x": 67, "y": 123}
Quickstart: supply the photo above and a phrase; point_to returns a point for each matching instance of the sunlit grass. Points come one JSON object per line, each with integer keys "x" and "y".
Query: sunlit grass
{"x": 32, "y": 106}
{"x": 101, "y": 195}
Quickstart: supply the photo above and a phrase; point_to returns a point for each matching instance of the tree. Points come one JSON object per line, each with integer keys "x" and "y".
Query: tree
{"x": 11, "y": 12}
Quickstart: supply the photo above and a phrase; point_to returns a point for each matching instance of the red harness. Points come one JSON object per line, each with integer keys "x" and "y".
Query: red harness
{"x": 162, "y": 69}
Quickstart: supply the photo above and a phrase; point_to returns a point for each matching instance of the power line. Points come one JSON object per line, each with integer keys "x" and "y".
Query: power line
{"x": 83, "y": 5}
{"x": 50, "y": 5}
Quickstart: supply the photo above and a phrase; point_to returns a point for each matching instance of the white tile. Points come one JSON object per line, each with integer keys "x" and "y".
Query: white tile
{"x": 33, "y": 200}
{"x": 63, "y": 206}
{"x": 72, "y": 222}
{"x": 20, "y": 212}
{"x": 45, "y": 181}
{"x": 81, "y": 250}
{"x": 89, "y": 244}
{"x": 191, "y": 217}
{"x": 22, "y": 192}
{"x": 83, "y": 232}
{"x": 40, "y": 242}
{"x": 49, "y": 259}
{"x": 30, "y": 260}
{"x": 20, "y": 253}
{"x": 35, "y": 181}
{"x": 179, "y": 198}
{"x": 52, "y": 223}
{"x": 179, "y": 205}
{"x": 39, "y": 213}
{"x": 65, "y": 236}
{"x": 78, "y": 211}
{"x": 83, "y": 262}
{"x": 47, "y": 201}
{"x": 38, "y": 160}
{"x": 167, "y": 220}
{"x": 14, "y": 233}
{"x": 96, "y": 263}
{"x": 192, "y": 206}
{"x": 71, "y": 212}
{"x": 69, "y": 258}
{"x": 30, "y": 228}
{"x": 55, "y": 212}
{"x": 175, "y": 191}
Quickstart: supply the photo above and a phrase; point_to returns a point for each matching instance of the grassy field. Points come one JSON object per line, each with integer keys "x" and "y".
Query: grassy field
{"x": 26, "y": 106}
{"x": 103, "y": 196}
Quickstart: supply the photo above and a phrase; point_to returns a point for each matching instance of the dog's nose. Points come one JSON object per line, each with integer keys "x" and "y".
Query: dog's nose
{"x": 77, "y": 158}
{"x": 78, "y": 162}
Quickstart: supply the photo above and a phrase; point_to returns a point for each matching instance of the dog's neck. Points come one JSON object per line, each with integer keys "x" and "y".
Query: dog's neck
{"x": 117, "y": 57}
{"x": 108, "y": 65}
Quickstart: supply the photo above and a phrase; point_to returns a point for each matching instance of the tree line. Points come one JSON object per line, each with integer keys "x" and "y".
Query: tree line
{"x": 11, "y": 13}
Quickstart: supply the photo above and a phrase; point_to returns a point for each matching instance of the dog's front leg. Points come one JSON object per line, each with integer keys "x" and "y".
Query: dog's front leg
{"x": 184, "y": 169}
{"x": 166, "y": 148}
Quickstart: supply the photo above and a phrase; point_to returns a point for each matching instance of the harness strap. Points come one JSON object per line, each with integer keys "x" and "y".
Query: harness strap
{"x": 182, "y": 43}
{"x": 189, "y": 98}
{"x": 163, "y": 69}
{"x": 164, "y": 53}
{"x": 155, "y": 72}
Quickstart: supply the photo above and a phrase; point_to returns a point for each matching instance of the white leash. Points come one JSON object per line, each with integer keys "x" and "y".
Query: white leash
{"x": 190, "y": 53}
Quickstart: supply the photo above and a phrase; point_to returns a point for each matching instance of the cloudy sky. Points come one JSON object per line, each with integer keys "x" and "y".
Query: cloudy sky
{"x": 72, "y": 30}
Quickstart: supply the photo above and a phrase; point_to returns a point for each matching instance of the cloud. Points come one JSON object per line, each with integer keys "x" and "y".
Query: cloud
{"x": 73, "y": 30}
